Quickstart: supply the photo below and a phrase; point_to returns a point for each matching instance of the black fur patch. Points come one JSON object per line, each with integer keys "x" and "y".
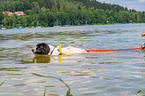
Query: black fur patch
{"x": 42, "y": 48}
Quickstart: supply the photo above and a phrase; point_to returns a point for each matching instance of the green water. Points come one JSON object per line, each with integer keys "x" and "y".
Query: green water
{"x": 98, "y": 74}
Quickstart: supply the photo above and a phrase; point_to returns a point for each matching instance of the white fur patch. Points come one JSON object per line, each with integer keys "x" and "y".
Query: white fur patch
{"x": 72, "y": 50}
{"x": 68, "y": 50}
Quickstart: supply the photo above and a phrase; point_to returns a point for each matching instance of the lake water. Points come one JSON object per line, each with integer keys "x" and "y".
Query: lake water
{"x": 118, "y": 73}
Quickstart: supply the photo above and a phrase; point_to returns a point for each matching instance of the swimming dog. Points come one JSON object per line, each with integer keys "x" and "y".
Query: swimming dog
{"x": 46, "y": 49}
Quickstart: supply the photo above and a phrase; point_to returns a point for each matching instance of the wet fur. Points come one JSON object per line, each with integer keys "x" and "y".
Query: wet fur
{"x": 41, "y": 48}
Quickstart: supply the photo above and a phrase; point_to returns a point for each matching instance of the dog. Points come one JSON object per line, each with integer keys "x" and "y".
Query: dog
{"x": 46, "y": 49}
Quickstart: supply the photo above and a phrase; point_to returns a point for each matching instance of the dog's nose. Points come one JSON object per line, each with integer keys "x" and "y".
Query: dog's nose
{"x": 33, "y": 50}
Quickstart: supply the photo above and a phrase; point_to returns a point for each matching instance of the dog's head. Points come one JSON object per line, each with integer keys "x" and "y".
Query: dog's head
{"x": 41, "y": 48}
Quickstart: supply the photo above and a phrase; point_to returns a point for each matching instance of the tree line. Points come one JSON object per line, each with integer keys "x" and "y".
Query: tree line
{"x": 65, "y": 12}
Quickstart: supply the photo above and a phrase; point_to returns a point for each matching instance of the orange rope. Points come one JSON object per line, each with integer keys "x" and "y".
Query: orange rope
{"x": 115, "y": 49}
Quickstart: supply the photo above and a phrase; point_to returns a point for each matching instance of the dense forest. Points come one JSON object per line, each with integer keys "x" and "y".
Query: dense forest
{"x": 65, "y": 12}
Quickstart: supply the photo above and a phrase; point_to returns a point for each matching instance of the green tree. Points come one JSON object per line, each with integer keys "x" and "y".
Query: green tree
{"x": 35, "y": 7}
{"x": 1, "y": 17}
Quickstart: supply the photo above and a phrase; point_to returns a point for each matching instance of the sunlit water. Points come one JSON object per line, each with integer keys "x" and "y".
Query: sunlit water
{"x": 120, "y": 73}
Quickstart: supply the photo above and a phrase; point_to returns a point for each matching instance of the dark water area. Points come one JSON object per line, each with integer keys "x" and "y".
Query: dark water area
{"x": 117, "y": 73}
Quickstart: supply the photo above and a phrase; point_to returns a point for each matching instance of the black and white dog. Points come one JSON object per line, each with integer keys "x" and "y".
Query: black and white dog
{"x": 45, "y": 49}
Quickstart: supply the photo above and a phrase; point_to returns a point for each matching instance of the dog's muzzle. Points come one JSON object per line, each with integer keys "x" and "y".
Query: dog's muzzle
{"x": 33, "y": 50}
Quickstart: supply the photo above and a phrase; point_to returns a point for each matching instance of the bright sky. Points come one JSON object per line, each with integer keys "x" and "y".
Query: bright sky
{"x": 138, "y": 5}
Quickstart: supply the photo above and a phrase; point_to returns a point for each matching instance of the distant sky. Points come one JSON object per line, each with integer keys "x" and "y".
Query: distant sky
{"x": 138, "y": 5}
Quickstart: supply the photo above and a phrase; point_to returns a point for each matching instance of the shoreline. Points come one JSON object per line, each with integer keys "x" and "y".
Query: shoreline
{"x": 32, "y": 27}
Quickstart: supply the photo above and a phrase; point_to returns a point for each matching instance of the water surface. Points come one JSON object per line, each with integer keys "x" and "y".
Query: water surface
{"x": 118, "y": 73}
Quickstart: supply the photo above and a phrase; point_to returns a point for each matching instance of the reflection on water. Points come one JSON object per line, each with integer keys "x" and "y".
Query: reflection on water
{"x": 57, "y": 59}
{"x": 41, "y": 59}
{"x": 101, "y": 73}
